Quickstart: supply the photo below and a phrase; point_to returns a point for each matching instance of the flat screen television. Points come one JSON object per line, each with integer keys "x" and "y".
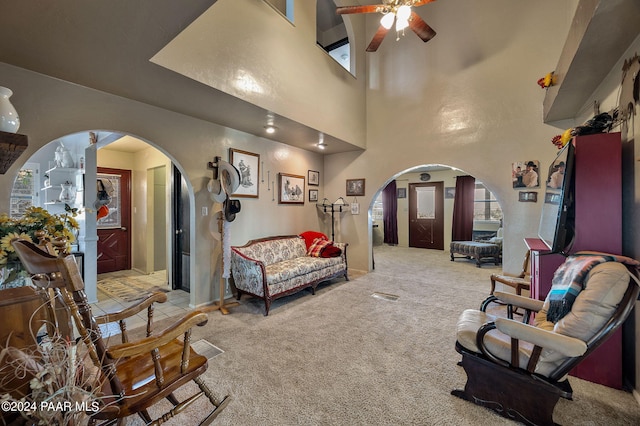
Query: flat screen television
{"x": 556, "y": 220}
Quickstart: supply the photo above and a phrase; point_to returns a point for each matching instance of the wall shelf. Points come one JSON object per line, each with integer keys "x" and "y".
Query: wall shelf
{"x": 12, "y": 145}
{"x": 600, "y": 33}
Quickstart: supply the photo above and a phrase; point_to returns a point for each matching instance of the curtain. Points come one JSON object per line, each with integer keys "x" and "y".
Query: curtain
{"x": 390, "y": 213}
{"x": 463, "y": 209}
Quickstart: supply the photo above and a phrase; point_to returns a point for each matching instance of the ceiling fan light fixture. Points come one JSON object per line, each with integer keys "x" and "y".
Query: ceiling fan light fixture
{"x": 401, "y": 24}
{"x": 387, "y": 20}
{"x": 404, "y": 12}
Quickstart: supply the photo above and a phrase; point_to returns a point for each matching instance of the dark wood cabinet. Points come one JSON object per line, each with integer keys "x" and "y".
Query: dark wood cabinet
{"x": 598, "y": 227}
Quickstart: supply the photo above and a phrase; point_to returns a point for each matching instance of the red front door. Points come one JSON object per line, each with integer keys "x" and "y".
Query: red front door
{"x": 114, "y": 238}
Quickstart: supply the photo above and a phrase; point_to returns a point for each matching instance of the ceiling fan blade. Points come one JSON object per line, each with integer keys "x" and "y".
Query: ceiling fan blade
{"x": 377, "y": 39}
{"x": 421, "y": 28}
{"x": 421, "y": 2}
{"x": 344, "y": 10}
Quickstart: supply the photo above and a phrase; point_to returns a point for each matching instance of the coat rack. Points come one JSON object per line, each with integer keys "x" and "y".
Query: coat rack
{"x": 217, "y": 166}
{"x": 333, "y": 208}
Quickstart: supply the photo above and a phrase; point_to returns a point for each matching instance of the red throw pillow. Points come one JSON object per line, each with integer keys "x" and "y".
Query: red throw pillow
{"x": 310, "y": 236}
{"x": 331, "y": 251}
{"x": 317, "y": 246}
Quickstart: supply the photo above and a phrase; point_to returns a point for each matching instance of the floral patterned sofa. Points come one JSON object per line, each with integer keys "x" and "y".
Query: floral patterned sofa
{"x": 273, "y": 267}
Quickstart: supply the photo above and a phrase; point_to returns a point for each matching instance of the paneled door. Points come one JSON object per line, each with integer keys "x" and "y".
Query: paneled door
{"x": 426, "y": 215}
{"x": 181, "y": 226}
{"x": 114, "y": 238}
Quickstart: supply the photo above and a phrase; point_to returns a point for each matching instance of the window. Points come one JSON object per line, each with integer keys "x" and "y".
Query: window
{"x": 376, "y": 212}
{"x": 486, "y": 207}
{"x": 331, "y": 34}
{"x": 285, "y": 7}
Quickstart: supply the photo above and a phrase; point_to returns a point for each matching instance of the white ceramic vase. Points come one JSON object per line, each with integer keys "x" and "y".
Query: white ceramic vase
{"x": 9, "y": 120}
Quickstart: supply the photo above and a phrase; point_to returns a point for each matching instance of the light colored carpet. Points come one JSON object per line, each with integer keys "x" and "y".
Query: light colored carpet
{"x": 344, "y": 357}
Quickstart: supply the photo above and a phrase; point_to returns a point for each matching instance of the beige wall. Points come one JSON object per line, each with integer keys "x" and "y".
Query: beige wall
{"x": 467, "y": 99}
{"x": 259, "y": 56}
{"x": 50, "y": 108}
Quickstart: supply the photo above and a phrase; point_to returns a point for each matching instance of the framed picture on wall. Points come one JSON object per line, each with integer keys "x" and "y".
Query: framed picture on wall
{"x": 450, "y": 192}
{"x": 355, "y": 187}
{"x": 402, "y": 192}
{"x": 291, "y": 189}
{"x": 525, "y": 174}
{"x": 313, "y": 178}
{"x": 313, "y": 195}
{"x": 528, "y": 197}
{"x": 248, "y": 164}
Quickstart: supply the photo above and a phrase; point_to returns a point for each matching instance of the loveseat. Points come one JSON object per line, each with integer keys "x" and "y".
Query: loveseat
{"x": 274, "y": 267}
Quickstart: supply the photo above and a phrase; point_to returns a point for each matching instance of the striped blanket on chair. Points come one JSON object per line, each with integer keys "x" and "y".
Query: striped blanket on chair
{"x": 568, "y": 280}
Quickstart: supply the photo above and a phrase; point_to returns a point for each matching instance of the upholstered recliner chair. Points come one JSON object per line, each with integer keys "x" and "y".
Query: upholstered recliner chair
{"x": 519, "y": 369}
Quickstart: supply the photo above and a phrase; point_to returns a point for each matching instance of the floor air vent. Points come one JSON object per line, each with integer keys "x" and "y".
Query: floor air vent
{"x": 386, "y": 296}
{"x": 206, "y": 348}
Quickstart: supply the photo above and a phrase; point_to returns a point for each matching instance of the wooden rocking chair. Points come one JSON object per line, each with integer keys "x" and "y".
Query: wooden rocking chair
{"x": 138, "y": 374}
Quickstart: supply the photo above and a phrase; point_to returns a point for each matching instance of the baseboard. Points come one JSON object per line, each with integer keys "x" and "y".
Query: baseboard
{"x": 636, "y": 395}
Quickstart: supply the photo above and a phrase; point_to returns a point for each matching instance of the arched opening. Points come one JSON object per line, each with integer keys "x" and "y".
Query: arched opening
{"x": 131, "y": 168}
{"x": 415, "y": 199}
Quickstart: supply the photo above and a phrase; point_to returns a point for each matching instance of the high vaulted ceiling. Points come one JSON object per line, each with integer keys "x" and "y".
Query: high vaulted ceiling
{"x": 106, "y": 45}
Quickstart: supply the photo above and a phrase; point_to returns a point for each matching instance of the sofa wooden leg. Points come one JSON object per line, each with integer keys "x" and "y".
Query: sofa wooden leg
{"x": 267, "y": 305}
{"x": 346, "y": 277}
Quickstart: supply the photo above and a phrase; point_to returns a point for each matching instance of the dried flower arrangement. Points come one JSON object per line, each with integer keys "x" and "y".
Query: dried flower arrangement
{"x": 62, "y": 391}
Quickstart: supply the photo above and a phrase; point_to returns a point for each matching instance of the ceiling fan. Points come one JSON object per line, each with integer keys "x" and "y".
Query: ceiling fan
{"x": 398, "y": 11}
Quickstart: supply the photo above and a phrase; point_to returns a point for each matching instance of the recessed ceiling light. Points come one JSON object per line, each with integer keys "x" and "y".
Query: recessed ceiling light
{"x": 270, "y": 129}
{"x": 321, "y": 144}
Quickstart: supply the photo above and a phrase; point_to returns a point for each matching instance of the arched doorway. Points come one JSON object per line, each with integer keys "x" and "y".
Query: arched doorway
{"x": 487, "y": 212}
{"x": 153, "y": 176}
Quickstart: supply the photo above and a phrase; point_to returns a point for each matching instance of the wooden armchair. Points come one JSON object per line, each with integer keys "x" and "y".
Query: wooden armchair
{"x": 520, "y": 282}
{"x": 137, "y": 374}
{"x": 520, "y": 370}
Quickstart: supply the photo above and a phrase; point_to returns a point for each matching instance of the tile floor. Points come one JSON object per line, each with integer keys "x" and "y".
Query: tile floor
{"x": 177, "y": 303}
